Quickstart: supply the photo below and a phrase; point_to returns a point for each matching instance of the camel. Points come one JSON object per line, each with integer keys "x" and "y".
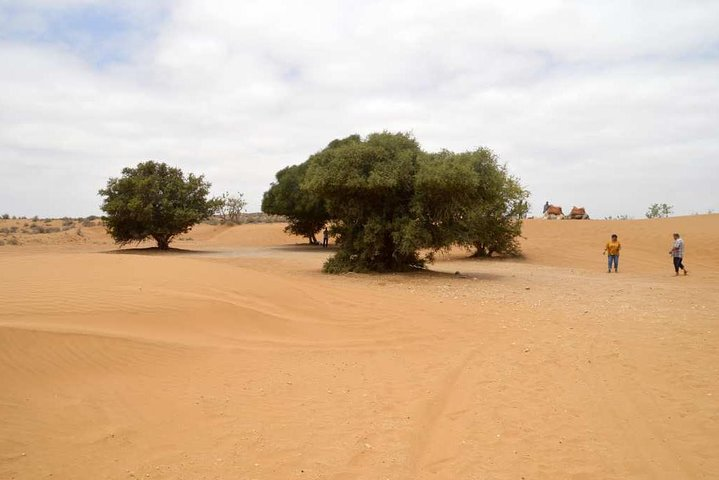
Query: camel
{"x": 553, "y": 212}
{"x": 578, "y": 213}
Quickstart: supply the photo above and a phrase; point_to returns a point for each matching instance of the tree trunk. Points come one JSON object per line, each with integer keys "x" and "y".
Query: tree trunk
{"x": 313, "y": 239}
{"x": 163, "y": 241}
{"x": 481, "y": 251}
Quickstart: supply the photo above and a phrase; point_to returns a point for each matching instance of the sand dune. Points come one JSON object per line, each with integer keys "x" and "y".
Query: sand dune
{"x": 238, "y": 359}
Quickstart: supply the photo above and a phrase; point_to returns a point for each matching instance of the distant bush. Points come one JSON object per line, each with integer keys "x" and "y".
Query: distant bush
{"x": 5, "y": 231}
{"x": 67, "y": 222}
{"x": 659, "y": 210}
{"x": 35, "y": 218}
{"x": 618, "y": 217}
{"x": 13, "y": 241}
{"x": 38, "y": 229}
{"x": 230, "y": 207}
{"x": 261, "y": 218}
{"x": 5, "y": 216}
{"x": 88, "y": 223}
{"x": 248, "y": 218}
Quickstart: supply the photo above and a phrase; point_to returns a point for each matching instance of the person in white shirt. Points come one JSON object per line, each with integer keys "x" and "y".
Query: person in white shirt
{"x": 677, "y": 253}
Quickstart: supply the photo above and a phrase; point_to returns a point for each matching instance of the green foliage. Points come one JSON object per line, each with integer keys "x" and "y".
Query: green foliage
{"x": 306, "y": 213}
{"x": 658, "y": 210}
{"x": 392, "y": 206}
{"x": 154, "y": 200}
{"x": 369, "y": 187}
{"x": 230, "y": 207}
{"x": 493, "y": 222}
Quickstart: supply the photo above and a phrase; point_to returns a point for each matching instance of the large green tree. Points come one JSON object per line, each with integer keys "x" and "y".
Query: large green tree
{"x": 392, "y": 205}
{"x": 306, "y": 213}
{"x": 154, "y": 200}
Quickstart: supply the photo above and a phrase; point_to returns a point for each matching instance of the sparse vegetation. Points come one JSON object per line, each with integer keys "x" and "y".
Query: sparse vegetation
{"x": 154, "y": 200}
{"x": 39, "y": 229}
{"x": 230, "y": 207}
{"x": 618, "y": 217}
{"x": 659, "y": 210}
{"x": 5, "y": 216}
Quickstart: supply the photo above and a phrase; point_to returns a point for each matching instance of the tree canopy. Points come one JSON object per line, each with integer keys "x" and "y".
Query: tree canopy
{"x": 306, "y": 213}
{"x": 154, "y": 200}
{"x": 392, "y": 206}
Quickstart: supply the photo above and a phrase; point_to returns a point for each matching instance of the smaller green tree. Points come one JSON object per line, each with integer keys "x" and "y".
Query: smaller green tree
{"x": 306, "y": 213}
{"x": 658, "y": 210}
{"x": 495, "y": 223}
{"x": 230, "y": 207}
{"x": 154, "y": 200}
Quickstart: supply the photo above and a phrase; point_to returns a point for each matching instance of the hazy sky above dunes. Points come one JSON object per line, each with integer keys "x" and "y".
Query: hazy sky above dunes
{"x": 609, "y": 105}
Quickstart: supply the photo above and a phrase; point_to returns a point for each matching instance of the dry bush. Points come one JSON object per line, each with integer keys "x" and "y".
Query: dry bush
{"x": 38, "y": 229}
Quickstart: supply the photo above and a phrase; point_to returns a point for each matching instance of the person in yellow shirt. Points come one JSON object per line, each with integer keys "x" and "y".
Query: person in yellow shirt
{"x": 612, "y": 251}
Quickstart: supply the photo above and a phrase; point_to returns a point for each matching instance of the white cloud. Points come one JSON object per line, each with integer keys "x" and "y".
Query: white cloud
{"x": 602, "y": 104}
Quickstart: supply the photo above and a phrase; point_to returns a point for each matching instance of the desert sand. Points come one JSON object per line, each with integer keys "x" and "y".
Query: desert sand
{"x": 235, "y": 358}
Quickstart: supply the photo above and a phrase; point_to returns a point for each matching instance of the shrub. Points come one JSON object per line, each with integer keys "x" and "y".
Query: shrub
{"x": 658, "y": 210}
{"x": 5, "y": 216}
{"x": 230, "y": 207}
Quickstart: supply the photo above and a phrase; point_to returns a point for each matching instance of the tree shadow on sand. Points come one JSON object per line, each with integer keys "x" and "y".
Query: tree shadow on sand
{"x": 158, "y": 252}
{"x": 303, "y": 248}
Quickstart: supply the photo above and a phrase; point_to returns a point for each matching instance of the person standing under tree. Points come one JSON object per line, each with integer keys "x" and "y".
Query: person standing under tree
{"x": 677, "y": 253}
{"x": 325, "y": 238}
{"x": 612, "y": 250}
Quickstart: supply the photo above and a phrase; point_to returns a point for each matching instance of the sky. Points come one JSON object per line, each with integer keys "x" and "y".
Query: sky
{"x": 610, "y": 105}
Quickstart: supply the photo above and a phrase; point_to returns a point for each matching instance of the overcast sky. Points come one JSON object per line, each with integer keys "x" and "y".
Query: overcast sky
{"x": 610, "y": 105}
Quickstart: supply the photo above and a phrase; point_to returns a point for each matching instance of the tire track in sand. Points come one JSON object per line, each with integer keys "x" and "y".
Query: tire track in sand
{"x": 437, "y": 433}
